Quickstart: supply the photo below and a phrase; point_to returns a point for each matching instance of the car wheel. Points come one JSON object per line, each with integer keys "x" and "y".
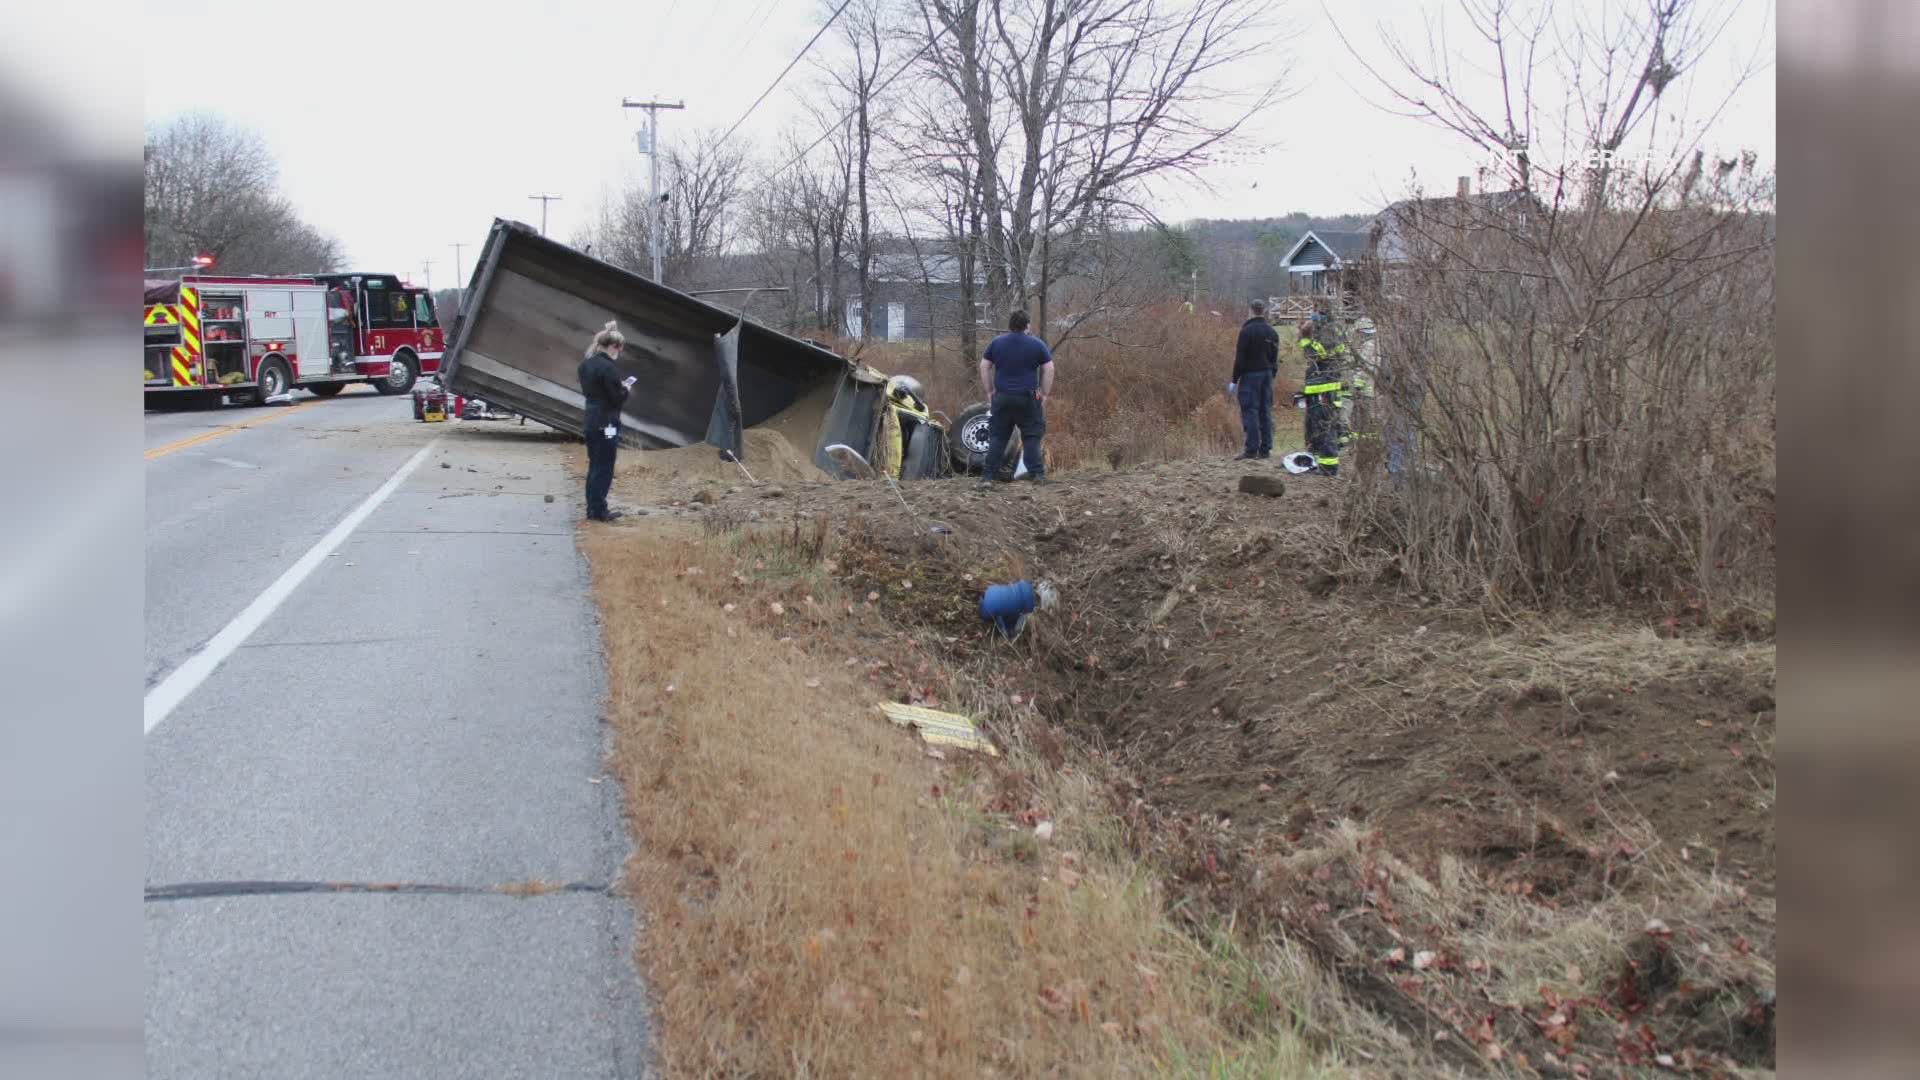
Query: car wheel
{"x": 274, "y": 380}
{"x": 967, "y": 439}
{"x": 400, "y": 376}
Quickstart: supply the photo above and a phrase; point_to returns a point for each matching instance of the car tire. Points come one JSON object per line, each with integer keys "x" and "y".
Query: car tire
{"x": 275, "y": 380}
{"x": 923, "y": 454}
{"x": 327, "y": 389}
{"x": 967, "y": 439}
{"x": 405, "y": 371}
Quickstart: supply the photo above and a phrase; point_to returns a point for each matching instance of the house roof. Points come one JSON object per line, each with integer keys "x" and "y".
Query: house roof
{"x": 1484, "y": 205}
{"x": 938, "y": 267}
{"x": 1343, "y": 246}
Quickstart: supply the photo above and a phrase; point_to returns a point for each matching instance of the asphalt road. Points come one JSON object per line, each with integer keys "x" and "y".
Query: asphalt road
{"x": 417, "y": 721}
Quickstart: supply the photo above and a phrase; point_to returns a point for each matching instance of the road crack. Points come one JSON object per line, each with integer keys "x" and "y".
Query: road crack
{"x": 205, "y": 890}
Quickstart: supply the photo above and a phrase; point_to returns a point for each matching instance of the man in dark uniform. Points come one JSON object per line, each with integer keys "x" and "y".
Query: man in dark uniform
{"x": 605, "y": 392}
{"x": 1256, "y": 358}
{"x": 1017, "y": 374}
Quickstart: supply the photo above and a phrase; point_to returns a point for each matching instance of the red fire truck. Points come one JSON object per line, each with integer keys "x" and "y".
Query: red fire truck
{"x": 261, "y": 337}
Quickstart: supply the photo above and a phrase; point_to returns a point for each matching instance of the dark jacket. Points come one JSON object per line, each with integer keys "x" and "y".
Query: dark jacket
{"x": 1258, "y": 348}
{"x": 600, "y": 385}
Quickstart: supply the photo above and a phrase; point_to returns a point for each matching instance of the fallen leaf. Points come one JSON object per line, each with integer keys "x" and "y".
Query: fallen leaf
{"x": 1043, "y": 831}
{"x": 728, "y": 607}
{"x": 1423, "y": 959}
{"x": 777, "y": 608}
{"x": 1658, "y": 928}
{"x": 1069, "y": 878}
{"x": 1397, "y": 956}
{"x": 813, "y": 684}
{"x": 872, "y": 596}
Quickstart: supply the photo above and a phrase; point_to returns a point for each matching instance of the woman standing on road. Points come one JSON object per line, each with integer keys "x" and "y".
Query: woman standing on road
{"x": 606, "y": 392}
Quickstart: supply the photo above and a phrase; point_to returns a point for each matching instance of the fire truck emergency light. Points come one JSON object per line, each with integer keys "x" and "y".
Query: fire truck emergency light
{"x": 203, "y": 261}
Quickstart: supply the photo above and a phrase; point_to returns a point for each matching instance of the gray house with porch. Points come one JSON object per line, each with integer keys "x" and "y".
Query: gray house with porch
{"x": 914, "y": 296}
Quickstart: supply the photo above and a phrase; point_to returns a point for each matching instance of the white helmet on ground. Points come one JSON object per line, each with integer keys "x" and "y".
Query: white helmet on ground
{"x": 1298, "y": 462}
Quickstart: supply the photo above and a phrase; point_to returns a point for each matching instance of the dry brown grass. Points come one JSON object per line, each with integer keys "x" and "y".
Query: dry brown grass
{"x": 1152, "y": 387}
{"x": 822, "y": 898}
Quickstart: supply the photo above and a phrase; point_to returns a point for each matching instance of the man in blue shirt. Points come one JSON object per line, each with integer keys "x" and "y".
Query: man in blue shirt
{"x": 1016, "y": 373}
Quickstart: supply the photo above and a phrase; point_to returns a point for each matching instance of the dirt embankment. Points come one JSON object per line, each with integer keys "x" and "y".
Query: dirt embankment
{"x": 1550, "y": 843}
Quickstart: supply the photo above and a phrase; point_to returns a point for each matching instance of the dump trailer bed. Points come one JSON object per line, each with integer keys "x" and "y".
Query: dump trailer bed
{"x": 705, "y": 374}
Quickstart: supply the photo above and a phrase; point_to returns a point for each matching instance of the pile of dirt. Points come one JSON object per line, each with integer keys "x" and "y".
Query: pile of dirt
{"x": 1259, "y": 685}
{"x": 799, "y": 423}
{"x": 767, "y": 455}
{"x": 777, "y": 449}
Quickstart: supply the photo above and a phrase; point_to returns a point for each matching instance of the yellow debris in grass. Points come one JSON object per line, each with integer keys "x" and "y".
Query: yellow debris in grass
{"x": 941, "y": 728}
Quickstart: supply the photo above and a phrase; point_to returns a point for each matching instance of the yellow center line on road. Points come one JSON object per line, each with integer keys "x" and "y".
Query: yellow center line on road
{"x": 208, "y": 436}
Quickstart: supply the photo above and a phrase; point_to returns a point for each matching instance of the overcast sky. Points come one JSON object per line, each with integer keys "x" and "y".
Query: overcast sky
{"x": 403, "y": 128}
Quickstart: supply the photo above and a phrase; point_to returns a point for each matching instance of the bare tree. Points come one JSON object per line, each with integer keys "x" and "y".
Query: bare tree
{"x": 1074, "y": 107}
{"x": 1584, "y": 360}
{"x": 865, "y": 34}
{"x": 700, "y": 211}
{"x": 212, "y": 187}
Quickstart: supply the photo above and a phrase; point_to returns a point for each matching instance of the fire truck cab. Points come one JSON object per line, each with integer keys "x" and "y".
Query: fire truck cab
{"x": 262, "y": 337}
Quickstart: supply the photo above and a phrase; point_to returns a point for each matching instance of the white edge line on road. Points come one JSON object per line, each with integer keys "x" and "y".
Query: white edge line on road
{"x": 186, "y": 678}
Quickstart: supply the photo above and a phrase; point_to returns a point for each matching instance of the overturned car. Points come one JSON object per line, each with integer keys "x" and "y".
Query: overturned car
{"x": 706, "y": 375}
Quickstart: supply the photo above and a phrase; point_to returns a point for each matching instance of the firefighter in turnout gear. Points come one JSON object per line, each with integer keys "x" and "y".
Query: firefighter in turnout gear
{"x": 1360, "y": 420}
{"x": 1321, "y": 387}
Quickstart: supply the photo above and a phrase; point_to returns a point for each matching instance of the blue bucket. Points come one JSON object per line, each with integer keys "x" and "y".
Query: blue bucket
{"x": 1007, "y": 606}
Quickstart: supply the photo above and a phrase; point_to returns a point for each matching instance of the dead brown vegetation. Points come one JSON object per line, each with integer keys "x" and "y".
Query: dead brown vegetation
{"x": 1144, "y": 386}
{"x": 824, "y": 897}
{"x": 1421, "y": 841}
{"x": 1578, "y": 370}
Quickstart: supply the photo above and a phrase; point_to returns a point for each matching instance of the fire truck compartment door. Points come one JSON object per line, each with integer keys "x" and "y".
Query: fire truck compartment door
{"x": 310, "y": 333}
{"x": 270, "y": 315}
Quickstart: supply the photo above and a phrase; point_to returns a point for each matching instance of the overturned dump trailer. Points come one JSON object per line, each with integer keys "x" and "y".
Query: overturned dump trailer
{"x": 705, "y": 374}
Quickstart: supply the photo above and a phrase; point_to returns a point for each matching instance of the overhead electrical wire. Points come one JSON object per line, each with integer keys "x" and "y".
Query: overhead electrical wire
{"x": 848, "y": 115}
{"x": 783, "y": 71}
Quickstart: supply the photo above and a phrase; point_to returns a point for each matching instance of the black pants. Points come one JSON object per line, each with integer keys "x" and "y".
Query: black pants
{"x": 1010, "y": 410}
{"x": 1256, "y": 411}
{"x": 1323, "y": 431}
{"x": 600, "y": 455}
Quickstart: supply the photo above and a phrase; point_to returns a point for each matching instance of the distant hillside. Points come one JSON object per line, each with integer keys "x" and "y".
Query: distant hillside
{"x": 1239, "y": 258}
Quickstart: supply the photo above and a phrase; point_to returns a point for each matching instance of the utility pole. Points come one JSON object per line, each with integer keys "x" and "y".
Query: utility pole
{"x": 544, "y": 200}
{"x": 427, "y": 265}
{"x": 459, "y": 280}
{"x": 653, "y": 170}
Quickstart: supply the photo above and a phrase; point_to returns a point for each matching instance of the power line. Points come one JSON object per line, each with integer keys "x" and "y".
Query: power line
{"x": 759, "y": 21}
{"x": 783, "y": 71}
{"x": 848, "y": 115}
